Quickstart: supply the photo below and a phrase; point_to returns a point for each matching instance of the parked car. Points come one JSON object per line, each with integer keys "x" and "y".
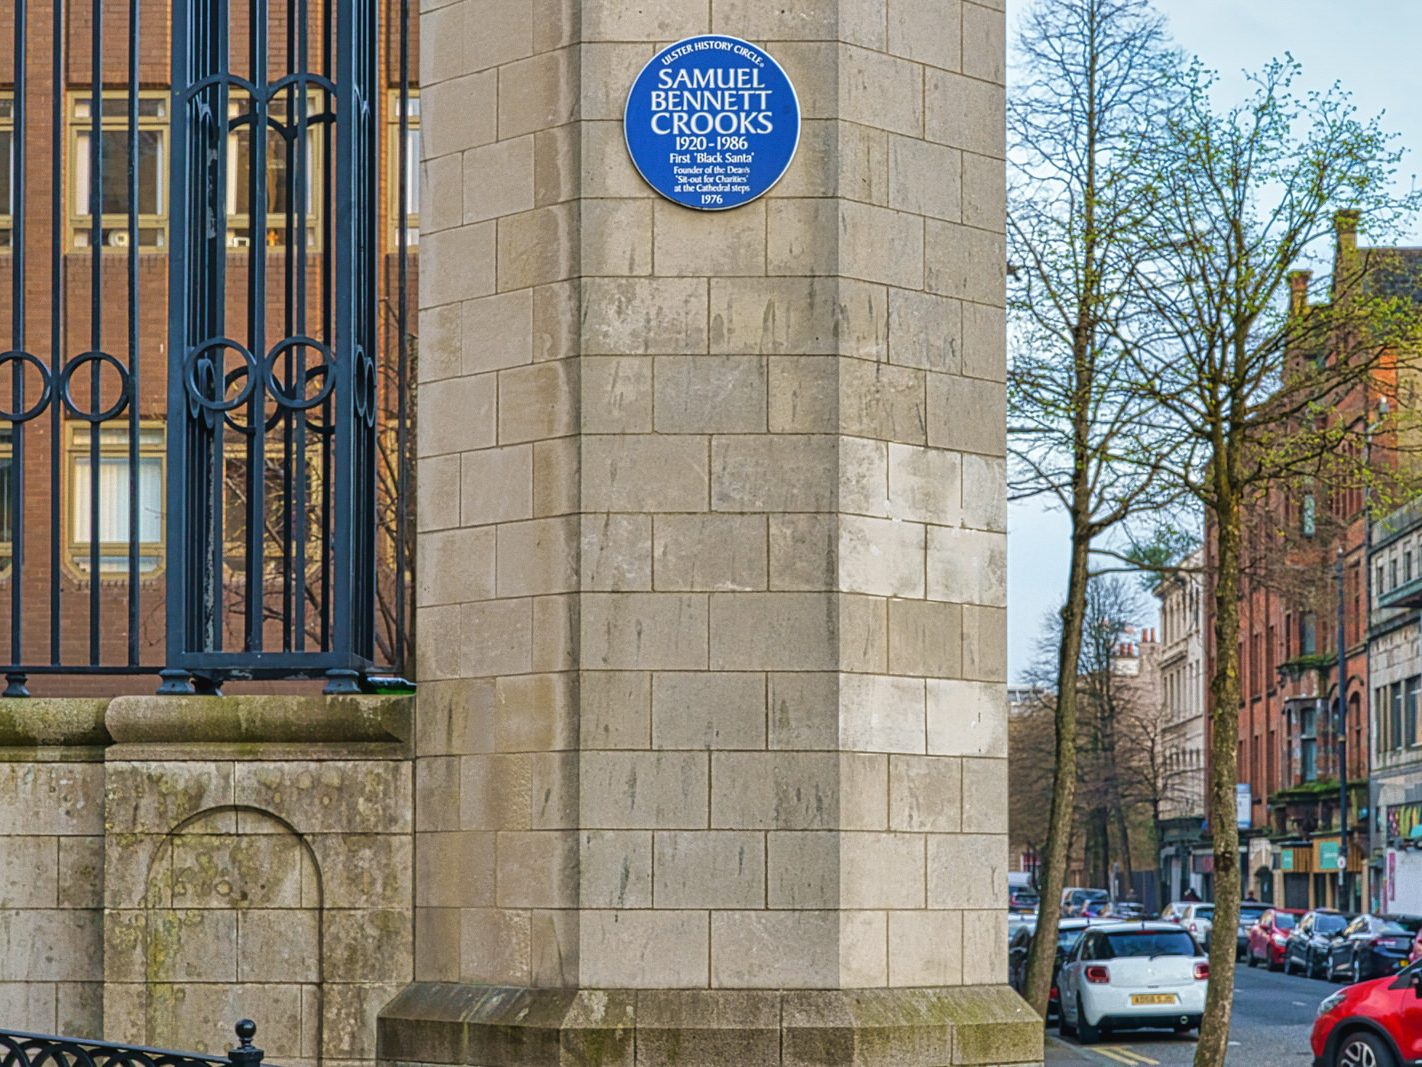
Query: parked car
{"x": 1199, "y": 919}
{"x": 1129, "y": 976}
{"x": 1075, "y": 898}
{"x": 1069, "y": 932}
{"x": 1369, "y": 947}
{"x": 1309, "y": 942}
{"x": 1125, "y": 910}
{"x": 1377, "y": 1023}
{"x": 1022, "y": 898}
{"x": 1019, "y": 920}
{"x": 1268, "y": 937}
{"x": 1249, "y": 913}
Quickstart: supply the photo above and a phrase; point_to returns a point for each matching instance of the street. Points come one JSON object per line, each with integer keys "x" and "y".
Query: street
{"x": 1272, "y": 1018}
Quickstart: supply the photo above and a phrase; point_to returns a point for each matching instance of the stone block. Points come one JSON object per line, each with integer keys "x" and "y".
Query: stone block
{"x": 644, "y": 473}
{"x": 985, "y": 493}
{"x": 651, "y": 21}
{"x": 644, "y": 790}
{"x": 498, "y": 178}
{"x": 812, "y": 66}
{"x": 494, "y": 946}
{"x": 654, "y": 949}
{"x": 437, "y": 783}
{"x": 984, "y": 191}
{"x": 709, "y": 552}
{"x": 802, "y": 394}
{"x": 984, "y": 947}
{"x": 964, "y": 262}
{"x": 444, "y": 173}
{"x": 79, "y": 1008}
{"x": 496, "y": 485}
{"x": 881, "y": 245}
{"x": 557, "y": 469}
{"x": 967, "y": 414}
{"x": 616, "y": 553}
{"x": 537, "y": 869}
{"x": 364, "y": 870}
{"x": 926, "y": 948}
{"x": 984, "y": 43}
{"x": 139, "y": 797}
{"x": 812, "y": 21}
{"x": 285, "y": 945}
{"x": 802, "y": 237}
{"x": 437, "y": 944}
{"x": 711, "y": 394}
{"x": 498, "y": 638}
{"x": 28, "y": 1006}
{"x": 708, "y": 710}
{"x": 538, "y": 557}
{"x": 450, "y": 872}
{"x": 924, "y": 178}
{"x": 883, "y": 401}
{"x": 471, "y": 245}
{"x": 616, "y": 869}
{"x": 984, "y": 341}
{"x": 537, "y": 402}
{"x": 774, "y": 949}
{"x": 864, "y": 477}
{"x": 617, "y": 394}
{"x": 883, "y": 557}
{"x": 803, "y": 869}
{"x": 863, "y": 163}
{"x": 455, "y": 566}
{"x": 51, "y": 945}
{"x": 616, "y": 238}
{"x": 630, "y": 316}
{"x": 927, "y": 31}
{"x": 709, "y": 869}
{"x": 535, "y": 713}
{"x": 882, "y": 870}
{"x": 774, "y": 790}
{"x": 965, "y": 113}
{"x": 496, "y": 792}
{"x": 616, "y": 709}
{"x": 773, "y": 473}
{"x": 966, "y": 718}
{"x": 863, "y": 634}
{"x": 607, "y": 71}
{"x": 925, "y": 638}
{"x": 644, "y": 631}
{"x": 803, "y": 711}
{"x": 967, "y": 566}
{"x": 458, "y": 416}
{"x": 349, "y": 1012}
{"x": 538, "y": 92}
{"x": 602, "y": 166}
{"x": 882, "y": 91}
{"x": 327, "y": 796}
{"x": 925, "y": 331}
{"x": 984, "y": 643}
{"x": 438, "y": 505}
{"x": 966, "y": 870}
{"x": 926, "y": 794}
{"x": 218, "y": 870}
{"x": 29, "y": 872}
{"x": 716, "y": 243}
{"x": 81, "y": 872}
{"x": 803, "y": 552}
{"x": 881, "y": 713}
{"x": 863, "y": 791}
{"x": 797, "y": 316}
{"x": 863, "y": 949}
{"x": 765, "y": 631}
{"x": 462, "y": 114}
{"x": 985, "y": 796}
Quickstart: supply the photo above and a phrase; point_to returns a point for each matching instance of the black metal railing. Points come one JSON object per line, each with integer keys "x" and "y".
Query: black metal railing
{"x": 19, "y": 1049}
{"x": 205, "y": 458}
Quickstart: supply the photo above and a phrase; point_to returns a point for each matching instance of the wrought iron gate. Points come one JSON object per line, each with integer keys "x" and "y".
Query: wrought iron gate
{"x": 205, "y": 464}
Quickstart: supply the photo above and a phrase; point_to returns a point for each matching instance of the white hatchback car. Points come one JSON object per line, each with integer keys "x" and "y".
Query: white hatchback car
{"x": 1126, "y": 976}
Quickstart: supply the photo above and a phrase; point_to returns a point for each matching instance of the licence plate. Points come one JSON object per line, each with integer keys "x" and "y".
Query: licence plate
{"x": 1153, "y": 998}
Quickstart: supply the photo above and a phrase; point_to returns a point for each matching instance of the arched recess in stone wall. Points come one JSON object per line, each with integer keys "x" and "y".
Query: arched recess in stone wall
{"x": 233, "y": 927}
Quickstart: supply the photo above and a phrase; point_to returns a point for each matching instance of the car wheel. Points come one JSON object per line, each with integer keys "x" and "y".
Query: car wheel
{"x": 1064, "y": 1028}
{"x": 1288, "y": 962}
{"x": 1362, "y": 1049}
{"x": 1249, "y": 959}
{"x": 1313, "y": 969}
{"x": 1085, "y": 1032}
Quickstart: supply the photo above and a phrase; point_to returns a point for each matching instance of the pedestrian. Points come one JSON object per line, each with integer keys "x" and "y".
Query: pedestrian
{"x": 1250, "y": 898}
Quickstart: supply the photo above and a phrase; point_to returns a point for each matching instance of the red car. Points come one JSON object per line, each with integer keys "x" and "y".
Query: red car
{"x": 1268, "y": 937}
{"x": 1378, "y": 1023}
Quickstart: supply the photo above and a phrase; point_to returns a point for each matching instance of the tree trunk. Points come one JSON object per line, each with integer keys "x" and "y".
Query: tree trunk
{"x": 1042, "y": 958}
{"x": 1224, "y": 770}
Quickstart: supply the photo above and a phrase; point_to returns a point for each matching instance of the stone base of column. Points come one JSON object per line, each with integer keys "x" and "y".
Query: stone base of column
{"x": 502, "y": 1026}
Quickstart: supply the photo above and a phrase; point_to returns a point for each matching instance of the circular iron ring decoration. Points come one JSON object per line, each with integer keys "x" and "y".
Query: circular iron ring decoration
{"x": 66, "y": 378}
{"x": 326, "y": 368}
{"x": 16, "y": 355}
{"x": 194, "y": 386}
{"x": 364, "y": 386}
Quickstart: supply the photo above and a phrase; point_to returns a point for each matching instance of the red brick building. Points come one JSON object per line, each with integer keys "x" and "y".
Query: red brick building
{"x": 1294, "y": 539}
{"x": 70, "y": 263}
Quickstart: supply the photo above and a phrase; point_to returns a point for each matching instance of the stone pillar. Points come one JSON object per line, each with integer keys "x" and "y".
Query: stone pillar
{"x": 711, "y": 726}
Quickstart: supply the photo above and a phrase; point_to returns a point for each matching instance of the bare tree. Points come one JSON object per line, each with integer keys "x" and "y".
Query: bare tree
{"x": 1093, "y": 83}
{"x": 1260, "y": 395}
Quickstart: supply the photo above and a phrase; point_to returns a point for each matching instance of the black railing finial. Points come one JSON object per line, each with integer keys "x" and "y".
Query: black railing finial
{"x": 246, "y": 1054}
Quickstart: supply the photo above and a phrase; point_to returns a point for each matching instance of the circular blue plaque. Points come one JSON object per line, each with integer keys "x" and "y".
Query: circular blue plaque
{"x": 712, "y": 122}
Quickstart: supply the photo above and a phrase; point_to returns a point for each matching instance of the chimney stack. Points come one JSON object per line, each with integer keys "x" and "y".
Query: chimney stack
{"x": 1345, "y": 227}
{"x": 1298, "y": 291}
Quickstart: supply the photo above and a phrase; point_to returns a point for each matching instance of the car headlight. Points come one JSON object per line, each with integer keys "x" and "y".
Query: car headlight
{"x": 1329, "y": 1003}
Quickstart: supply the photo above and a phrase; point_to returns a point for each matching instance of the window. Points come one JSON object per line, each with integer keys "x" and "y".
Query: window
{"x": 1392, "y": 572}
{"x": 1381, "y": 576}
{"x": 1308, "y": 746}
{"x": 7, "y": 167}
{"x": 282, "y": 177}
{"x": 1407, "y": 566}
{"x": 1394, "y": 725}
{"x": 1307, "y": 634}
{"x": 1309, "y": 521}
{"x": 1380, "y": 717}
{"x": 110, "y": 191}
{"x": 412, "y": 168}
{"x": 1409, "y": 712}
{"x": 113, "y": 511}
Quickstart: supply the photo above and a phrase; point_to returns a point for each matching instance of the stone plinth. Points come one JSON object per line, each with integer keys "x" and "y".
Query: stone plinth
{"x": 711, "y": 722}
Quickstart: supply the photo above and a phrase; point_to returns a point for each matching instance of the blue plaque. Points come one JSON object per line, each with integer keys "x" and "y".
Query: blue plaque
{"x": 712, "y": 122}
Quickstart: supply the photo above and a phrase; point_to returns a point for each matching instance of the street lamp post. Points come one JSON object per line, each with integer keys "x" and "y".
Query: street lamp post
{"x": 1342, "y": 741}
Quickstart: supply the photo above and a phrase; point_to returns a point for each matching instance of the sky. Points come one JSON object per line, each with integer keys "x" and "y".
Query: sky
{"x": 1371, "y": 48}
